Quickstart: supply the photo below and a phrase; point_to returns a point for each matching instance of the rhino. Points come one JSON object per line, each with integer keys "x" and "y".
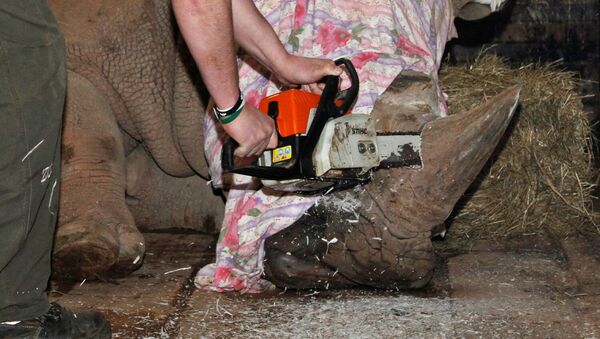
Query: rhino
{"x": 133, "y": 160}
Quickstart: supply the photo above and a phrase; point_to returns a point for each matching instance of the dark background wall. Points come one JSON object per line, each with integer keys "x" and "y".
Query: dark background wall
{"x": 540, "y": 30}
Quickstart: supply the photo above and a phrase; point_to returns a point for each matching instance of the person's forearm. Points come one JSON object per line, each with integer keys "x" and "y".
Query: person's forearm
{"x": 206, "y": 26}
{"x": 256, "y": 36}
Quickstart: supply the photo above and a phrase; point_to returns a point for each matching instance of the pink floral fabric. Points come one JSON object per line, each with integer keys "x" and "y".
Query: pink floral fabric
{"x": 382, "y": 38}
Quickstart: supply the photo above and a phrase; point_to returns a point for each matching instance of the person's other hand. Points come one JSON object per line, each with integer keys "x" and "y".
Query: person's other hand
{"x": 297, "y": 70}
{"x": 253, "y": 130}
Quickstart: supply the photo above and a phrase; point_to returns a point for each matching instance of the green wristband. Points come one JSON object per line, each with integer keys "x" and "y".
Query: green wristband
{"x": 227, "y": 116}
{"x": 231, "y": 117}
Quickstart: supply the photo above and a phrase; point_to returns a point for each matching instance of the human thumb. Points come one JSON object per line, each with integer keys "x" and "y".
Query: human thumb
{"x": 333, "y": 69}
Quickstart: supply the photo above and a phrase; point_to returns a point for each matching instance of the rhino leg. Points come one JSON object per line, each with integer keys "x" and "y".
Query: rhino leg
{"x": 160, "y": 201}
{"x": 96, "y": 231}
{"x": 379, "y": 234}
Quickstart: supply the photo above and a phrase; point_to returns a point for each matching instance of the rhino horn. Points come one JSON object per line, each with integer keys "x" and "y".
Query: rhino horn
{"x": 454, "y": 149}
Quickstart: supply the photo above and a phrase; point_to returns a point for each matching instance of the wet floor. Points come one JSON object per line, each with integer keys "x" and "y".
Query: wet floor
{"x": 525, "y": 287}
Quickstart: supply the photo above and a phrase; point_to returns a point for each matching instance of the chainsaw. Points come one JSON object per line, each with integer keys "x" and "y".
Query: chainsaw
{"x": 321, "y": 145}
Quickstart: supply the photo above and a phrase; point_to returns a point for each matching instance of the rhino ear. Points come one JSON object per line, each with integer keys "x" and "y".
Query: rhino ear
{"x": 476, "y": 9}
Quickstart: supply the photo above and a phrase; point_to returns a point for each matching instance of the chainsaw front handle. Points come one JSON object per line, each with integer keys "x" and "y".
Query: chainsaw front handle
{"x": 352, "y": 92}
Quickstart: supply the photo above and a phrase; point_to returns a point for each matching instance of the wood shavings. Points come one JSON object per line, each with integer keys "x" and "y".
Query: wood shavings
{"x": 329, "y": 242}
{"x": 177, "y": 270}
{"x": 311, "y": 294}
{"x": 220, "y": 308}
{"x": 332, "y": 241}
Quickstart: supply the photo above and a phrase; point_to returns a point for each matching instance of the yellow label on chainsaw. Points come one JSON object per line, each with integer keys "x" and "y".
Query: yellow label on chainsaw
{"x": 282, "y": 153}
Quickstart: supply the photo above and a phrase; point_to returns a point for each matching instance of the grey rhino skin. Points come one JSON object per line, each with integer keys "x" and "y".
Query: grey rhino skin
{"x": 133, "y": 152}
{"x": 133, "y": 157}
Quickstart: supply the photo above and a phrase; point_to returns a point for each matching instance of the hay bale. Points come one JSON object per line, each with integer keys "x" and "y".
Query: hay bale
{"x": 540, "y": 178}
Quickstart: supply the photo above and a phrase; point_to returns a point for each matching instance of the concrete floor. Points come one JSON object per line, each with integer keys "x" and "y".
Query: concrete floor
{"x": 527, "y": 287}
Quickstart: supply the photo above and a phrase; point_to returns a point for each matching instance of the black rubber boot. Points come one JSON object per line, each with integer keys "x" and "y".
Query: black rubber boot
{"x": 62, "y": 323}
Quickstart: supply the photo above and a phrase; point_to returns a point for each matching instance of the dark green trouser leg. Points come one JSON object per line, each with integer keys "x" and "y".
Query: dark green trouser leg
{"x": 32, "y": 89}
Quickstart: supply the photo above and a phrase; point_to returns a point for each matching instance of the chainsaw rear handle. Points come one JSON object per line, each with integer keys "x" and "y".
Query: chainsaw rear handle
{"x": 326, "y": 109}
{"x": 229, "y": 147}
{"x": 227, "y": 157}
{"x": 263, "y": 172}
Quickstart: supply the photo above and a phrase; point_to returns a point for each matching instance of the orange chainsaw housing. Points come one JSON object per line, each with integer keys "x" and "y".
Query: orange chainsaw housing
{"x": 294, "y": 109}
